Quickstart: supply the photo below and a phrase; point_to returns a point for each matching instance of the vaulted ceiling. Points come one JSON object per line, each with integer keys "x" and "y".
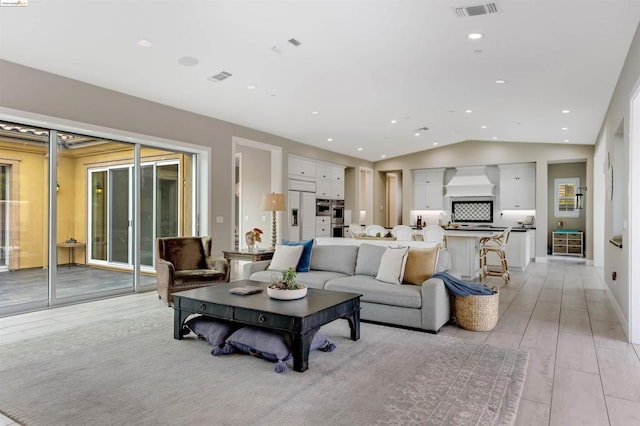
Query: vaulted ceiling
{"x": 364, "y": 78}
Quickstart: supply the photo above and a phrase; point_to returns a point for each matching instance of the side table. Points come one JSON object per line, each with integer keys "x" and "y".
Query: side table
{"x": 71, "y": 247}
{"x": 248, "y": 255}
{"x": 254, "y": 255}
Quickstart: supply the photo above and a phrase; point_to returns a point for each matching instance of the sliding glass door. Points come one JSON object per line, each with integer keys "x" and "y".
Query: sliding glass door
{"x": 112, "y": 211}
{"x": 95, "y": 189}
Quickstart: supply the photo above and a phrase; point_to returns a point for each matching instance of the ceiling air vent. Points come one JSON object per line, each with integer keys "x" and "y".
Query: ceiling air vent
{"x": 221, "y": 76}
{"x": 477, "y": 10}
{"x": 295, "y": 42}
{"x": 422, "y": 129}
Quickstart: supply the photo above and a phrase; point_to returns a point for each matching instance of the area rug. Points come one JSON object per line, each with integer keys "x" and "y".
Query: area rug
{"x": 132, "y": 372}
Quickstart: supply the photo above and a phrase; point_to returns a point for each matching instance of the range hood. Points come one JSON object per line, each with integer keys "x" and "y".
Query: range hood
{"x": 470, "y": 182}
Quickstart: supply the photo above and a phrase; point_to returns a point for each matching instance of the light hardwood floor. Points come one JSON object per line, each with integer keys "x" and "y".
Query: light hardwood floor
{"x": 581, "y": 370}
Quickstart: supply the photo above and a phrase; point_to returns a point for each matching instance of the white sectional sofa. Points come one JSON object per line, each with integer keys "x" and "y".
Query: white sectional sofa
{"x": 354, "y": 269}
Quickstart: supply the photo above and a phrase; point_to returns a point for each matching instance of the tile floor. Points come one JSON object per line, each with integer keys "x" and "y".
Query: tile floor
{"x": 581, "y": 370}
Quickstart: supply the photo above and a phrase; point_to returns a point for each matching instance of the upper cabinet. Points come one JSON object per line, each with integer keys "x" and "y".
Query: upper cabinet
{"x": 329, "y": 178}
{"x": 518, "y": 186}
{"x": 301, "y": 169}
{"x": 427, "y": 189}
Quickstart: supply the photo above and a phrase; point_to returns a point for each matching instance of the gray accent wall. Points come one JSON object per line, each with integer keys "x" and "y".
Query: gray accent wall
{"x": 57, "y": 97}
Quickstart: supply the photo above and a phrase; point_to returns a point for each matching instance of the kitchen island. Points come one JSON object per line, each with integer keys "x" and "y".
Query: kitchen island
{"x": 463, "y": 245}
{"x": 463, "y": 248}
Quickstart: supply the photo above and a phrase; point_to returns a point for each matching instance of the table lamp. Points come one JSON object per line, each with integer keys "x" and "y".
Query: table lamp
{"x": 274, "y": 203}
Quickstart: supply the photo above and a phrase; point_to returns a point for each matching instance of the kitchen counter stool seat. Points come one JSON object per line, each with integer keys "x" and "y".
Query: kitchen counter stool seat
{"x": 495, "y": 244}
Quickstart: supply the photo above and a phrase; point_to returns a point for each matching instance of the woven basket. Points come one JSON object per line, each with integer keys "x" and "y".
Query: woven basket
{"x": 477, "y": 313}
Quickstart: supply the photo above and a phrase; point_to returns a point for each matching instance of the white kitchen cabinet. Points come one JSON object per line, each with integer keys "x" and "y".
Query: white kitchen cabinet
{"x": 337, "y": 189}
{"x": 337, "y": 174}
{"x": 517, "y": 251}
{"x": 301, "y": 169}
{"x": 323, "y": 172}
{"x": 323, "y": 188}
{"x": 428, "y": 189}
{"x": 518, "y": 186}
{"x": 323, "y": 226}
{"x": 329, "y": 181}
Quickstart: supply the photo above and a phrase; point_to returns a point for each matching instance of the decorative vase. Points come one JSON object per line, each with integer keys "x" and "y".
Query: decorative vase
{"x": 251, "y": 240}
{"x": 276, "y": 293}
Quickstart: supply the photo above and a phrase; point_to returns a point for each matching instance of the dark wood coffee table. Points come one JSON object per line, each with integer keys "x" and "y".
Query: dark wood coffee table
{"x": 299, "y": 319}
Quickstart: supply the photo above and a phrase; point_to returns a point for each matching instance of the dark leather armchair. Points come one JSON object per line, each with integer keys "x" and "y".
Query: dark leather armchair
{"x": 183, "y": 263}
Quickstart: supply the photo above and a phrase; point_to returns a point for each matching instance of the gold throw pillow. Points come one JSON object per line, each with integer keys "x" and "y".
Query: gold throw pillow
{"x": 421, "y": 264}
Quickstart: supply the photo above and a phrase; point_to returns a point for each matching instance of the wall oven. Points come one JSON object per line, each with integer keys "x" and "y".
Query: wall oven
{"x": 323, "y": 207}
{"x": 337, "y": 212}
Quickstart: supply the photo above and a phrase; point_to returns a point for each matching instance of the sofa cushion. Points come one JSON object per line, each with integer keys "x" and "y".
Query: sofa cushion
{"x": 305, "y": 257}
{"x": 285, "y": 257}
{"x": 375, "y": 291}
{"x": 334, "y": 258}
{"x": 391, "y": 267}
{"x": 421, "y": 264}
{"x": 368, "y": 261}
{"x": 184, "y": 253}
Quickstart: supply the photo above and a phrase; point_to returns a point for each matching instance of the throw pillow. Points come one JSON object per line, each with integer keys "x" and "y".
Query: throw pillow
{"x": 421, "y": 264}
{"x": 270, "y": 345}
{"x": 391, "y": 269}
{"x": 305, "y": 257}
{"x": 213, "y": 331}
{"x": 285, "y": 257}
{"x": 369, "y": 257}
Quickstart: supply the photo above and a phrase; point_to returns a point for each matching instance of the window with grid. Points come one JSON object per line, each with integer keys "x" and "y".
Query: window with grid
{"x": 565, "y": 197}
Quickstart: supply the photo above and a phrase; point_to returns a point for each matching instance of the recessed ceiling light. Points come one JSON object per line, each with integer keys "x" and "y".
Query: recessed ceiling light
{"x": 494, "y": 138}
{"x": 417, "y": 134}
{"x": 315, "y": 112}
{"x": 564, "y": 128}
{"x": 483, "y": 127}
{"x": 383, "y": 156}
{"x": 188, "y": 61}
{"x": 474, "y": 36}
{"x": 566, "y": 140}
{"x": 144, "y": 43}
{"x": 251, "y": 87}
{"x": 435, "y": 143}
{"x": 359, "y": 149}
{"x": 500, "y": 81}
{"x": 468, "y": 111}
{"x": 565, "y": 111}
{"x": 329, "y": 139}
{"x": 393, "y": 121}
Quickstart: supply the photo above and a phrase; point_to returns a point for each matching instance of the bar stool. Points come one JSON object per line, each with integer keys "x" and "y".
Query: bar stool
{"x": 495, "y": 244}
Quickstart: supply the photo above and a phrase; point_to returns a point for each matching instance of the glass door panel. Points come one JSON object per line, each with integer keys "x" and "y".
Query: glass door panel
{"x": 24, "y": 190}
{"x": 97, "y": 192}
{"x": 92, "y": 225}
{"x": 147, "y": 215}
{"x": 167, "y": 196}
{"x": 119, "y": 214}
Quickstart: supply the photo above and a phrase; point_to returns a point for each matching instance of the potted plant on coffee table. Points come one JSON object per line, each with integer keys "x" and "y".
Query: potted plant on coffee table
{"x": 285, "y": 287}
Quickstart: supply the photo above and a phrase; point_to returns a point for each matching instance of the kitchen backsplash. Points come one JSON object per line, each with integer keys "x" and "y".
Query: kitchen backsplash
{"x": 472, "y": 211}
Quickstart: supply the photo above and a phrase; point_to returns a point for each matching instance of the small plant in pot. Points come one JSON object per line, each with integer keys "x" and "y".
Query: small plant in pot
{"x": 286, "y": 287}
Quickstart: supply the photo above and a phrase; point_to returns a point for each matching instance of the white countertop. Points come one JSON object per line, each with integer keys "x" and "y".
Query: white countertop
{"x": 472, "y": 234}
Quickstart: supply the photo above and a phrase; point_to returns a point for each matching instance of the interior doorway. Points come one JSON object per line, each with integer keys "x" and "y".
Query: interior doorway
{"x": 257, "y": 170}
{"x": 393, "y": 199}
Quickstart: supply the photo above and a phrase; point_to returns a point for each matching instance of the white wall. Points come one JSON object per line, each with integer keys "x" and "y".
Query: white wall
{"x": 624, "y": 261}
